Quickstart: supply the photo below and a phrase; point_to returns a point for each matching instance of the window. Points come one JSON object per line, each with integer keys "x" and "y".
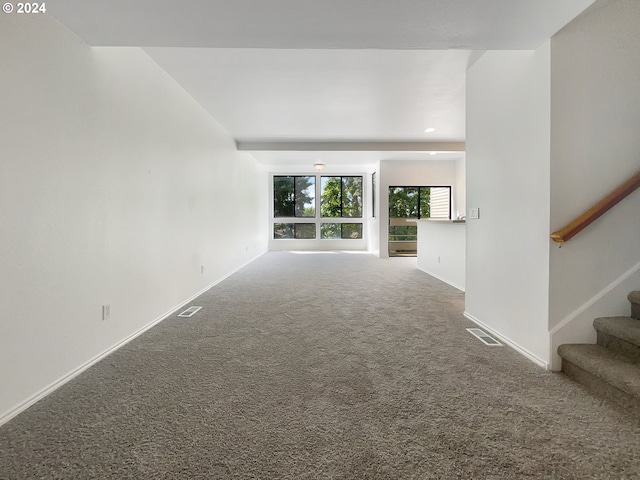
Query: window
{"x": 294, "y": 196}
{"x": 419, "y": 202}
{"x": 341, "y": 230}
{"x": 414, "y": 203}
{"x": 339, "y": 199}
{"x": 294, "y": 230}
{"x": 373, "y": 194}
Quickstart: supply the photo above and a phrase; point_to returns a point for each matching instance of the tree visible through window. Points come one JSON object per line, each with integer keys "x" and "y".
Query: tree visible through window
{"x": 294, "y": 196}
{"x": 294, "y": 230}
{"x": 409, "y": 202}
{"x": 415, "y": 202}
{"x": 341, "y": 197}
{"x": 340, "y": 230}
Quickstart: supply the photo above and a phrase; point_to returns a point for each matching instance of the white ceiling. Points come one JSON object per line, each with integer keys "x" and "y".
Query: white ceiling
{"x": 328, "y": 94}
{"x": 381, "y": 24}
{"x": 324, "y": 70}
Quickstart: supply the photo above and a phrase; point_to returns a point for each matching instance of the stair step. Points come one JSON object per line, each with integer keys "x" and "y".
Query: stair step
{"x": 610, "y": 367}
{"x": 634, "y": 298}
{"x": 619, "y": 334}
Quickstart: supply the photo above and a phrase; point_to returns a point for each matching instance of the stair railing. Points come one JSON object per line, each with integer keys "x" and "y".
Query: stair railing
{"x": 595, "y": 212}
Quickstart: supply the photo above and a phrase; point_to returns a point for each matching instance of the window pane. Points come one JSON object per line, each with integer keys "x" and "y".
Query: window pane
{"x": 305, "y": 230}
{"x": 403, "y": 233}
{"x": 373, "y": 194}
{"x": 403, "y": 202}
{"x": 283, "y": 197}
{"x": 283, "y": 230}
{"x": 351, "y": 230}
{"x": 425, "y": 202}
{"x": 330, "y": 230}
{"x": 352, "y": 197}
{"x": 330, "y": 205}
{"x": 305, "y": 196}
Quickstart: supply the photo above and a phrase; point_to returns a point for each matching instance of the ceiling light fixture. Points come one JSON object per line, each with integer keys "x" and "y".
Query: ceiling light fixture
{"x": 432, "y": 153}
{"x": 429, "y": 130}
{"x": 318, "y": 166}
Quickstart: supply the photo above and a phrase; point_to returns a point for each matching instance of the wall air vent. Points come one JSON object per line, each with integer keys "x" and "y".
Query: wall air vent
{"x": 484, "y": 338}
{"x": 189, "y": 312}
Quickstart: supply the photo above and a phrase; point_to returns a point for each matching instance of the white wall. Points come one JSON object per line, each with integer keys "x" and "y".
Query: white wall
{"x": 459, "y": 206}
{"x": 410, "y": 173}
{"x": 507, "y": 171}
{"x": 115, "y": 187}
{"x": 595, "y": 146}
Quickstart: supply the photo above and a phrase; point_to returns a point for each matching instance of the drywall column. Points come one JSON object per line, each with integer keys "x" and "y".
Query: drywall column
{"x": 507, "y": 167}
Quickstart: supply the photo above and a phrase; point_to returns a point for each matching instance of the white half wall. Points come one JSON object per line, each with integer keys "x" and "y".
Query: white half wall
{"x": 507, "y": 171}
{"x": 116, "y": 188}
{"x": 442, "y": 250}
{"x": 595, "y": 146}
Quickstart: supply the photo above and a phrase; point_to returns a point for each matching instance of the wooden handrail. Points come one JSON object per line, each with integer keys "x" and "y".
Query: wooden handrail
{"x": 599, "y": 209}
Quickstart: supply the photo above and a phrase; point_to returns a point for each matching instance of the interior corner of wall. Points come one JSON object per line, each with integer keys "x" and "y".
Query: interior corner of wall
{"x": 474, "y": 57}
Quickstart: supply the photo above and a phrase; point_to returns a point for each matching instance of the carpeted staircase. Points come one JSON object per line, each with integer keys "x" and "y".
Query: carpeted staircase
{"x": 610, "y": 368}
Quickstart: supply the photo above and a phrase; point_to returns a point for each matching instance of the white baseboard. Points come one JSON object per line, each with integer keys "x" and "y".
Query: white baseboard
{"x": 518, "y": 348}
{"x": 77, "y": 371}
{"x": 596, "y": 298}
{"x": 442, "y": 279}
{"x": 577, "y": 327}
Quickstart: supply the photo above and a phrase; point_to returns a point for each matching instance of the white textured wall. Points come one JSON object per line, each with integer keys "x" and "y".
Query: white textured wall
{"x": 410, "y": 173}
{"x": 595, "y": 146}
{"x": 115, "y": 187}
{"x": 507, "y": 168}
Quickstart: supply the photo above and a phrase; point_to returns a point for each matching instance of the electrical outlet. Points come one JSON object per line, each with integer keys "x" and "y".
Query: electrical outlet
{"x": 106, "y": 312}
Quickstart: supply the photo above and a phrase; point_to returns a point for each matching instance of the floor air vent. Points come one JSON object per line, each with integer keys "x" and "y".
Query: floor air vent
{"x": 189, "y": 312}
{"x": 484, "y": 338}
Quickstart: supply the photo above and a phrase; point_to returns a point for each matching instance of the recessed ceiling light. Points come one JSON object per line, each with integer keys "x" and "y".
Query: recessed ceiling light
{"x": 429, "y": 130}
{"x": 432, "y": 153}
{"x": 318, "y": 166}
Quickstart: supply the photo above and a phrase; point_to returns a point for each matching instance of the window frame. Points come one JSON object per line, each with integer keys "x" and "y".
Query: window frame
{"x": 420, "y": 187}
{"x": 317, "y": 220}
{"x": 294, "y": 229}
{"x": 295, "y": 195}
{"x": 342, "y": 177}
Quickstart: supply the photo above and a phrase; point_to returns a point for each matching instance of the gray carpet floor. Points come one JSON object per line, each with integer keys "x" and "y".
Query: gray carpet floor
{"x": 320, "y": 366}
